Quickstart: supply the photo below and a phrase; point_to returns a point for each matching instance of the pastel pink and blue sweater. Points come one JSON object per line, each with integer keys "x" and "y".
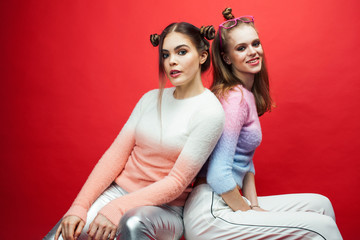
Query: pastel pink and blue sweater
{"x": 233, "y": 155}
{"x": 155, "y": 161}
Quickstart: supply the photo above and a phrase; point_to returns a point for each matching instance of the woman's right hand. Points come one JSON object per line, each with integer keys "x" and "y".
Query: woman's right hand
{"x": 70, "y": 228}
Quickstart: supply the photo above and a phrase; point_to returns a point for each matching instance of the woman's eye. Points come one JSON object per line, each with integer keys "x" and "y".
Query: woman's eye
{"x": 182, "y": 52}
{"x": 165, "y": 55}
{"x": 241, "y": 48}
{"x": 256, "y": 44}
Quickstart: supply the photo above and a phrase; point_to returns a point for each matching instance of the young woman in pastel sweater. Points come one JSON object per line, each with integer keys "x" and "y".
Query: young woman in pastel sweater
{"x": 138, "y": 188}
{"x": 216, "y": 209}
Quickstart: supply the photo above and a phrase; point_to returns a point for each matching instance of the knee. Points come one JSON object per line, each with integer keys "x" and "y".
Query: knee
{"x": 131, "y": 221}
{"x": 132, "y": 225}
{"x": 322, "y": 205}
{"x": 323, "y": 202}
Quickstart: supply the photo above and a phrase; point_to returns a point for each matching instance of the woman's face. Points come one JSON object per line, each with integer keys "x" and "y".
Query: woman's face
{"x": 182, "y": 62}
{"x": 244, "y": 51}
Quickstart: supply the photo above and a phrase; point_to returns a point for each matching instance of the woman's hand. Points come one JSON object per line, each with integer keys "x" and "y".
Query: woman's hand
{"x": 257, "y": 208}
{"x": 102, "y": 229}
{"x": 70, "y": 228}
{"x": 235, "y": 201}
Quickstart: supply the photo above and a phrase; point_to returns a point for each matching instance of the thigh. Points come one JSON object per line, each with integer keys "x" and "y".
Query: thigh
{"x": 218, "y": 221}
{"x": 274, "y": 225}
{"x": 151, "y": 222}
{"x": 198, "y": 216}
{"x": 305, "y": 202}
{"x": 111, "y": 193}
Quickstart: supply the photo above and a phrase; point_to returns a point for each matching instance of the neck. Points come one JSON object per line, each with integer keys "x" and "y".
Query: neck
{"x": 191, "y": 89}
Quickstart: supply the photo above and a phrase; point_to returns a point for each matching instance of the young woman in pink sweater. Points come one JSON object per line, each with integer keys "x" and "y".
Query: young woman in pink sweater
{"x": 138, "y": 188}
{"x": 216, "y": 209}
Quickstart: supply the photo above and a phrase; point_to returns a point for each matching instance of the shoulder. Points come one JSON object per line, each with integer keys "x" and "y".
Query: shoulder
{"x": 211, "y": 104}
{"x": 149, "y": 97}
{"x": 237, "y": 97}
{"x": 209, "y": 109}
{"x": 147, "y": 100}
{"x": 212, "y": 101}
{"x": 150, "y": 94}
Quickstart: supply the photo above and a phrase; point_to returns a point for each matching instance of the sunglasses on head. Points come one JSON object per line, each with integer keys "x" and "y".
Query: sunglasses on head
{"x": 232, "y": 23}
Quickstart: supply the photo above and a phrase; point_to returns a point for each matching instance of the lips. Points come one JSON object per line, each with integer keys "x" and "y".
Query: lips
{"x": 253, "y": 61}
{"x": 175, "y": 73}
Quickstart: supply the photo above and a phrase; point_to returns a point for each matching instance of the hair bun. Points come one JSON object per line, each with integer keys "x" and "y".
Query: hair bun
{"x": 208, "y": 32}
{"x": 155, "y": 39}
{"x": 227, "y": 14}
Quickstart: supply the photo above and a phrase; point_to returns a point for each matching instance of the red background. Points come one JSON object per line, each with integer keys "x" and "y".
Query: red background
{"x": 71, "y": 72}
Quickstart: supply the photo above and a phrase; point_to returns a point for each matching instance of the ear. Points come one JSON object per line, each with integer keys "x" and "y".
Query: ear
{"x": 203, "y": 56}
{"x": 226, "y": 58}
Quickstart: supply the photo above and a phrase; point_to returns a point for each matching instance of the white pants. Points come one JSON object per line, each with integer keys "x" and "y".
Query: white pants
{"x": 291, "y": 216}
{"x": 148, "y": 222}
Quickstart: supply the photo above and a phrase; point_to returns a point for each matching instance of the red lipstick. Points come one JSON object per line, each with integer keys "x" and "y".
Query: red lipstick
{"x": 254, "y": 61}
{"x": 175, "y": 73}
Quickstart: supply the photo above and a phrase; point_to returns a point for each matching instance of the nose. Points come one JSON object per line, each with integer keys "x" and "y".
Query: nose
{"x": 251, "y": 51}
{"x": 172, "y": 60}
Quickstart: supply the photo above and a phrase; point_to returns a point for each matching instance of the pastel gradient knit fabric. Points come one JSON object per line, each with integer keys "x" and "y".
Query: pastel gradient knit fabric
{"x": 233, "y": 155}
{"x": 155, "y": 160}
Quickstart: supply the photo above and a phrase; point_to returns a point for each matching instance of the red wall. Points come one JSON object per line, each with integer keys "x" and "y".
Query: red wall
{"x": 71, "y": 72}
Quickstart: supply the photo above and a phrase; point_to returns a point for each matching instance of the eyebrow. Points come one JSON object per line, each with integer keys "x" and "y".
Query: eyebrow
{"x": 241, "y": 44}
{"x": 177, "y": 47}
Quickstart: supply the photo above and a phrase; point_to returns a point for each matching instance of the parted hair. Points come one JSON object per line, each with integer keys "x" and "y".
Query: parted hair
{"x": 223, "y": 77}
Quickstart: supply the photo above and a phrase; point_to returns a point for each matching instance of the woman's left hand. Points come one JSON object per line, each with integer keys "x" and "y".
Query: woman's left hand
{"x": 102, "y": 228}
{"x": 259, "y": 209}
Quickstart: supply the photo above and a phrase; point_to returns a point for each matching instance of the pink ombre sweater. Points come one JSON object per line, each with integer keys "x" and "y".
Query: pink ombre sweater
{"x": 233, "y": 155}
{"x": 155, "y": 161}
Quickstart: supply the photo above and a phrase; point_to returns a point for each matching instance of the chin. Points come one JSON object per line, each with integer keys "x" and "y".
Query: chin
{"x": 257, "y": 70}
{"x": 176, "y": 83}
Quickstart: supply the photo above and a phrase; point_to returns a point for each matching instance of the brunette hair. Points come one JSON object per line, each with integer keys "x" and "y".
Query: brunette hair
{"x": 198, "y": 36}
{"x": 225, "y": 79}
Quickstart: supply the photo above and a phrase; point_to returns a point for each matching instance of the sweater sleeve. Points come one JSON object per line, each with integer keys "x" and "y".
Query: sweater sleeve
{"x": 220, "y": 175}
{"x": 108, "y": 167}
{"x": 252, "y": 167}
{"x": 204, "y": 133}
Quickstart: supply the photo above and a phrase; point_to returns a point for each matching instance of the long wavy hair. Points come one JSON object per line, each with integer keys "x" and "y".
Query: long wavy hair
{"x": 224, "y": 79}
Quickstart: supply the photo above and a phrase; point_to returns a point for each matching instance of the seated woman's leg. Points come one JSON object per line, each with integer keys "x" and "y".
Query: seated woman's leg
{"x": 111, "y": 193}
{"x": 304, "y": 202}
{"x": 152, "y": 222}
{"x": 207, "y": 216}
{"x": 198, "y": 218}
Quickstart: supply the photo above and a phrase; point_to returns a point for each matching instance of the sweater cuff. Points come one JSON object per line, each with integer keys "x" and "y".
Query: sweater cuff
{"x": 78, "y": 211}
{"x": 112, "y": 213}
{"x": 221, "y": 187}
